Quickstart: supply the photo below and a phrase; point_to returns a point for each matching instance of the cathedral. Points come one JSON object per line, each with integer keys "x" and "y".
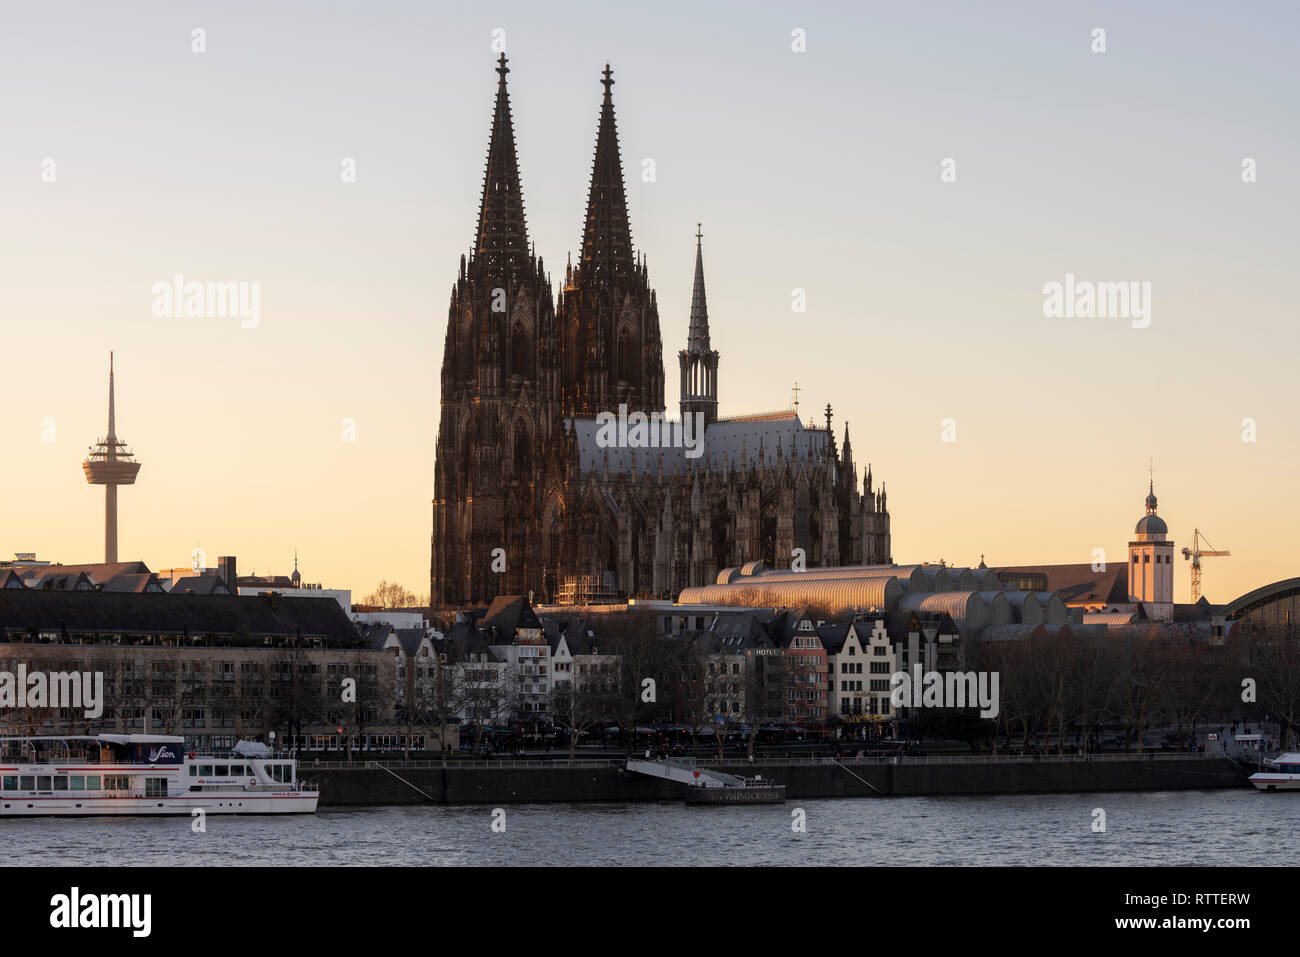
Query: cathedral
{"x": 530, "y": 496}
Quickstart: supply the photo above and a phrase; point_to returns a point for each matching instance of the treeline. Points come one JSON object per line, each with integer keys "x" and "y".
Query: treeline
{"x": 1077, "y": 688}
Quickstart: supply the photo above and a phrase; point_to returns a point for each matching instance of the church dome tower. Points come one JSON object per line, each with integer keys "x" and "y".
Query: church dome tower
{"x": 1150, "y": 563}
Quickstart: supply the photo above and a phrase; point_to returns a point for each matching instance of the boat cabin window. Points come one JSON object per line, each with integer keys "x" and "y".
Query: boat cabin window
{"x": 43, "y": 783}
{"x": 60, "y": 782}
{"x": 11, "y": 782}
{"x": 92, "y": 782}
{"x": 77, "y": 782}
{"x": 223, "y": 770}
{"x": 205, "y": 770}
{"x": 194, "y": 770}
{"x": 27, "y": 783}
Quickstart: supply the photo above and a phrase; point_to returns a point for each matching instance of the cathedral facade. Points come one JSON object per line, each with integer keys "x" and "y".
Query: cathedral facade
{"x": 530, "y": 495}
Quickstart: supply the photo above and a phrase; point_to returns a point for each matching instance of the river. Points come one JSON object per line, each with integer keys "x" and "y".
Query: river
{"x": 1213, "y": 827}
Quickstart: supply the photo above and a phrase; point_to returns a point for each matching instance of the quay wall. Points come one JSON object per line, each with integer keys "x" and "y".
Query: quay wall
{"x": 556, "y": 782}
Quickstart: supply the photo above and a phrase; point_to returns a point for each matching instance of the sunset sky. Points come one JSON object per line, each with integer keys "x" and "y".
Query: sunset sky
{"x": 817, "y": 170}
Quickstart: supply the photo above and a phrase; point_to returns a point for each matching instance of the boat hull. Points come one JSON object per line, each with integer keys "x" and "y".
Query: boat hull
{"x": 763, "y": 794}
{"x": 1275, "y": 782}
{"x": 287, "y": 802}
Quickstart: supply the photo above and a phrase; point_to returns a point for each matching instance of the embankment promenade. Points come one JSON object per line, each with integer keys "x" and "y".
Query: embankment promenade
{"x": 522, "y": 781}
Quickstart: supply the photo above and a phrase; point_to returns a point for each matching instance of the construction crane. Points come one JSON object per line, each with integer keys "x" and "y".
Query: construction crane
{"x": 1196, "y": 553}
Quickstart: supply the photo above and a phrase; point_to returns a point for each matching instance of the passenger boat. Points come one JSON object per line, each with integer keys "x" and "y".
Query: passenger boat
{"x": 1284, "y": 776}
{"x": 145, "y": 774}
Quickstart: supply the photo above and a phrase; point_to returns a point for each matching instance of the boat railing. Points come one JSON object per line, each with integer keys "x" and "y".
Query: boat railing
{"x": 194, "y": 754}
{"x": 59, "y": 756}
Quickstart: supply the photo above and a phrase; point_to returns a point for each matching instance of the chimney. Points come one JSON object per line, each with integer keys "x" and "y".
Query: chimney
{"x": 226, "y": 571}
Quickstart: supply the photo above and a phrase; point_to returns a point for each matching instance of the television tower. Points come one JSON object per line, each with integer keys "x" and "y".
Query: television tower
{"x": 110, "y": 464}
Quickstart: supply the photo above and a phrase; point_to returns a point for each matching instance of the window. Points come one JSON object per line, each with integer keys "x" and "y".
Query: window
{"x": 27, "y": 783}
{"x": 625, "y": 356}
{"x": 60, "y": 782}
{"x": 155, "y": 787}
{"x": 92, "y": 782}
{"x": 11, "y": 782}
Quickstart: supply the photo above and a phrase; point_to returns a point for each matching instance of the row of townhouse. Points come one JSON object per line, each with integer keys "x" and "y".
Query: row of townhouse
{"x": 811, "y": 674}
{"x": 795, "y": 669}
{"x": 501, "y": 669}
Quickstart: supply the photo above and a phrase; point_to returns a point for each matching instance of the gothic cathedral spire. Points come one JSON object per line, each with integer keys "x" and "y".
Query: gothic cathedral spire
{"x": 502, "y": 239}
{"x": 699, "y": 363}
{"x": 611, "y": 348}
{"x": 606, "y": 235}
{"x": 500, "y": 391}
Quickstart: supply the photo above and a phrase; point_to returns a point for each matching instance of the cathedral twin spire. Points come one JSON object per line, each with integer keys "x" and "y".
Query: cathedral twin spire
{"x": 606, "y": 235}
{"x": 502, "y": 238}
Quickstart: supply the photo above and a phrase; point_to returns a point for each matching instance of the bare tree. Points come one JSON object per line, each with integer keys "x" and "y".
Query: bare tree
{"x": 1277, "y": 677}
{"x": 580, "y": 704}
{"x": 635, "y": 640}
{"x": 297, "y": 692}
{"x": 764, "y": 693}
{"x": 391, "y": 595}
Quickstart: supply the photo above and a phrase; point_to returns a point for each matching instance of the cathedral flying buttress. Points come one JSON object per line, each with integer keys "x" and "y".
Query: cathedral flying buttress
{"x": 531, "y": 497}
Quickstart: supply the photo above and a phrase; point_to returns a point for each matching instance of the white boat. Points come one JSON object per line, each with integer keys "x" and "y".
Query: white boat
{"x": 1283, "y": 776}
{"x": 141, "y": 774}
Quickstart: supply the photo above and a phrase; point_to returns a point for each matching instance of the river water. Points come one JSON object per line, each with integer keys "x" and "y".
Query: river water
{"x": 1216, "y": 827}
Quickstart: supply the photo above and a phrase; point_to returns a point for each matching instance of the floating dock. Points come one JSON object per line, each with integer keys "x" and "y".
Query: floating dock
{"x": 707, "y": 786}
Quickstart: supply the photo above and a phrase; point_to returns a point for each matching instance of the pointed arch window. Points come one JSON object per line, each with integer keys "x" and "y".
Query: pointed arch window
{"x": 523, "y": 452}
{"x": 626, "y": 358}
{"x": 571, "y": 354}
{"x": 520, "y": 351}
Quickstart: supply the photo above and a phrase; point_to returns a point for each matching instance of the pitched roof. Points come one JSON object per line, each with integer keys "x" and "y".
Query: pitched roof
{"x": 99, "y": 572}
{"x": 1076, "y": 584}
{"x": 833, "y": 637}
{"x": 128, "y": 613}
{"x": 411, "y": 638}
{"x": 507, "y": 614}
{"x": 200, "y": 585}
{"x": 134, "y": 583}
{"x": 733, "y": 443}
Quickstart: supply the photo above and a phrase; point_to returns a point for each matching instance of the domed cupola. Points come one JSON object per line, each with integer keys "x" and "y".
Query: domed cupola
{"x": 1150, "y": 525}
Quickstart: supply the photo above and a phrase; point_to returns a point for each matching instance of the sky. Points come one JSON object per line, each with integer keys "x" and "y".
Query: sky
{"x": 131, "y": 158}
